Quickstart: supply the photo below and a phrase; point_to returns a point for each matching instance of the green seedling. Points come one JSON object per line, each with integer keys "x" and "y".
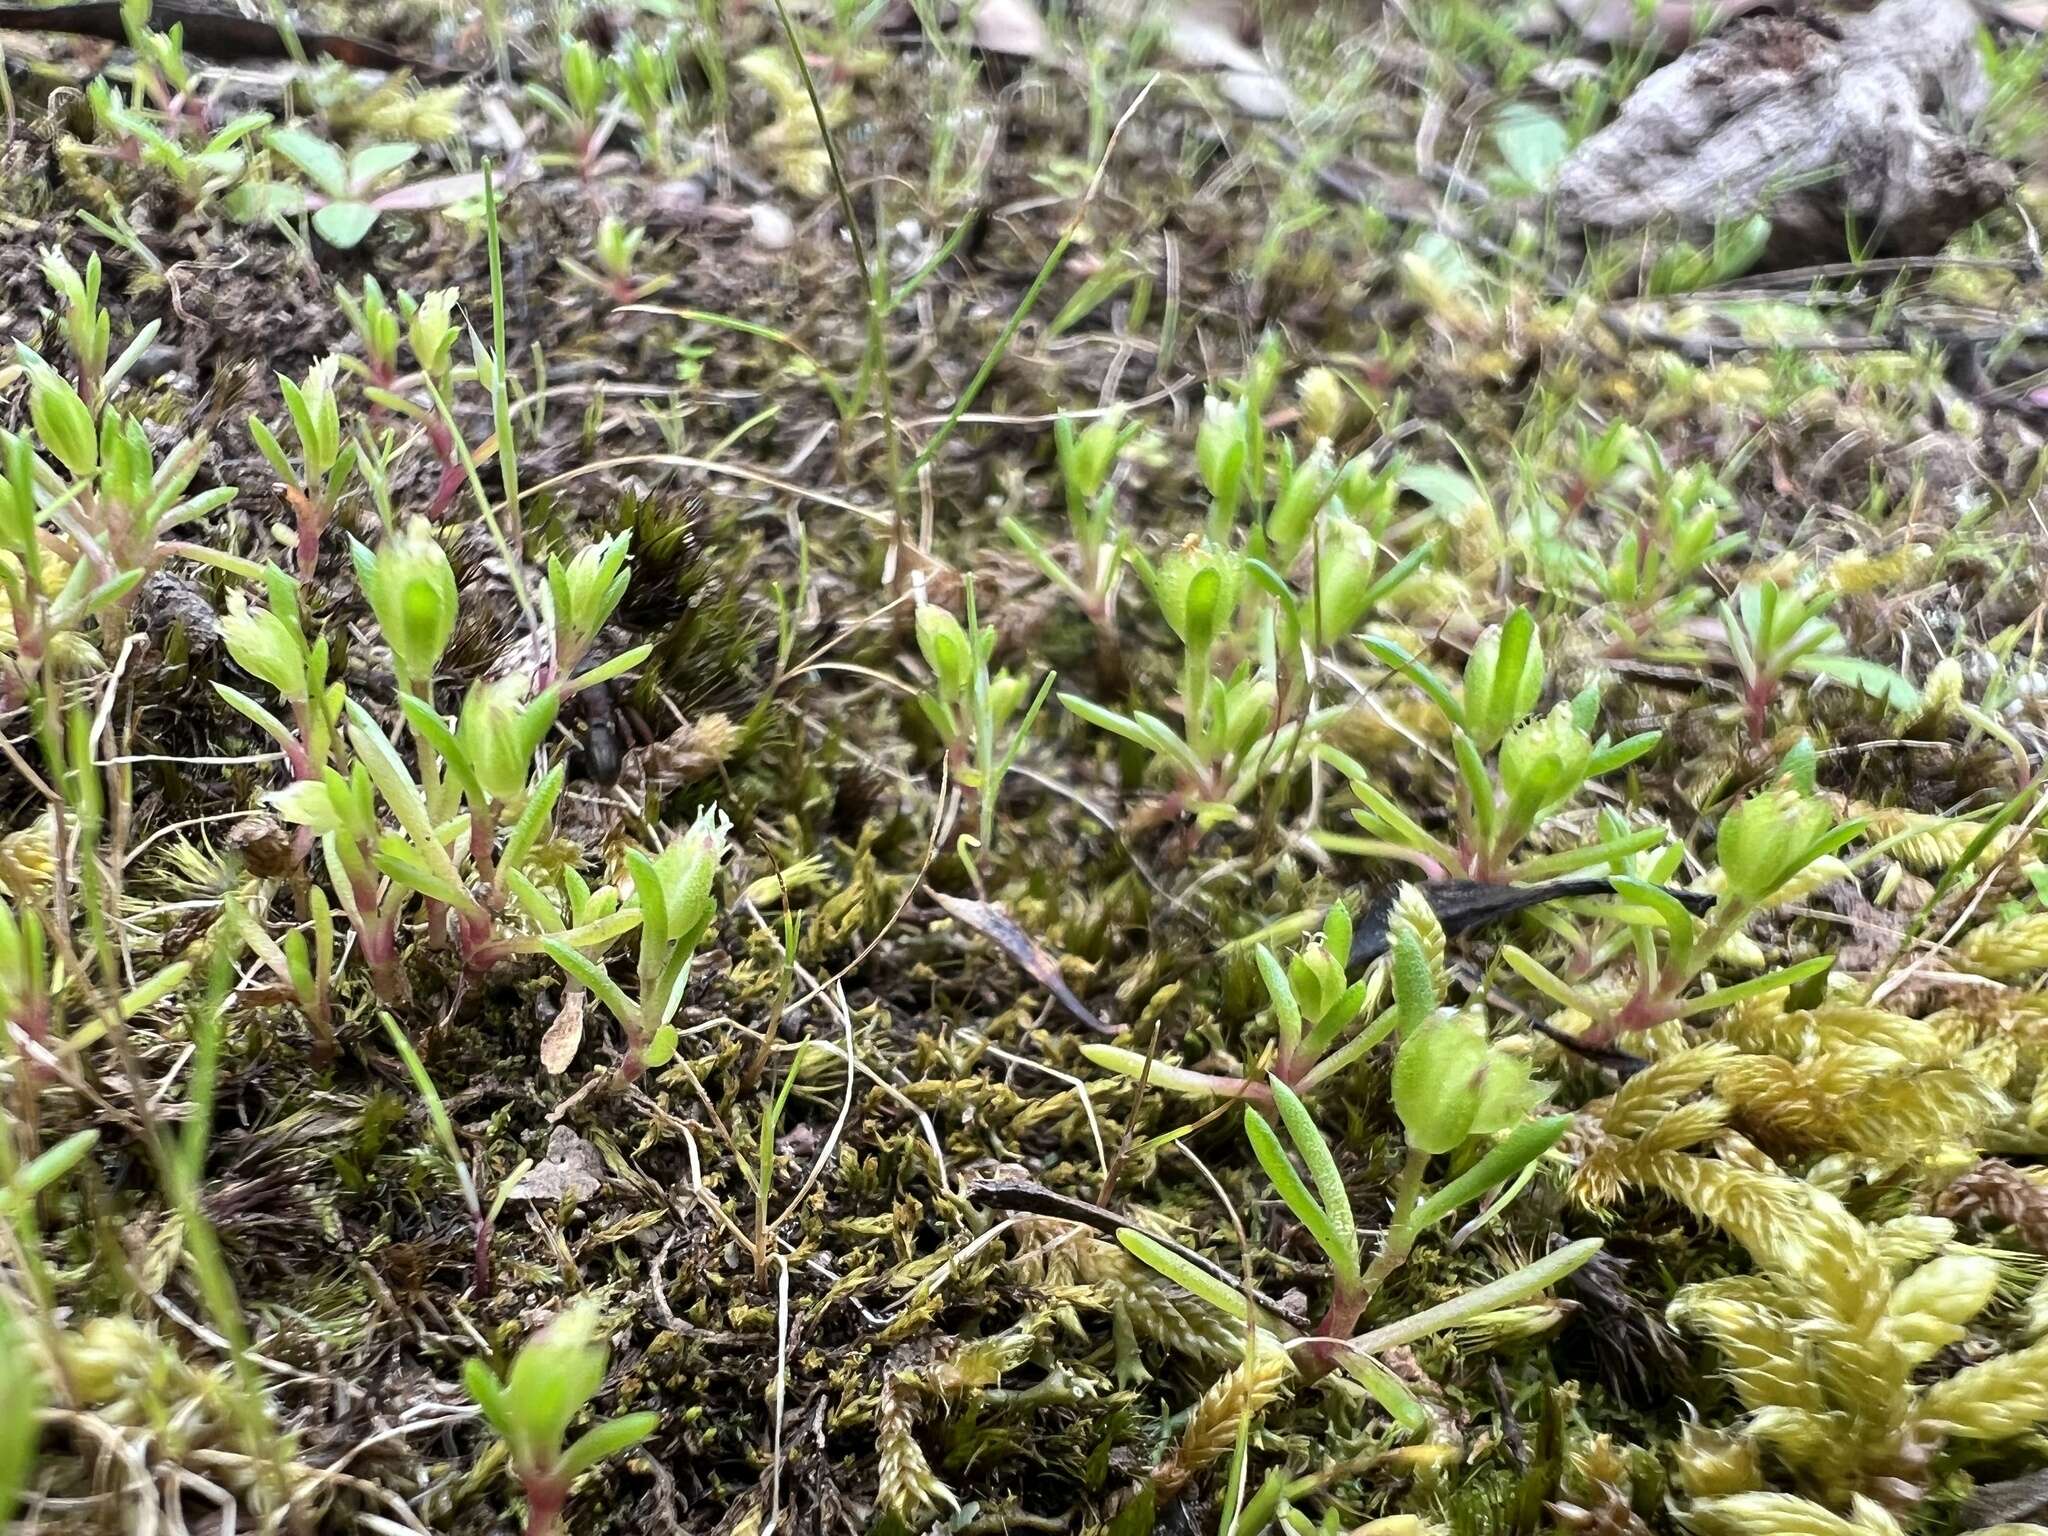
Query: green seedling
{"x": 314, "y": 484}
{"x": 552, "y": 1380}
{"x": 197, "y": 174}
{"x": 1539, "y": 765}
{"x": 589, "y": 105}
{"x": 1232, "y": 736}
{"x": 672, "y": 898}
{"x": 1456, "y": 1095}
{"x": 349, "y": 191}
{"x": 1763, "y": 843}
{"x": 970, "y": 707}
{"x": 88, "y": 328}
{"x": 1774, "y": 634}
{"x": 617, "y": 251}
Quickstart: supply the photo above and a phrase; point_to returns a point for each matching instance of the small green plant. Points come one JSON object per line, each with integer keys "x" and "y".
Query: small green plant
{"x": 532, "y": 1408}
{"x": 313, "y": 486}
{"x": 1538, "y": 766}
{"x": 1316, "y": 1013}
{"x": 1454, "y": 1093}
{"x": 343, "y": 206}
{"x": 378, "y": 327}
{"x": 651, "y": 79}
{"x": 1764, "y": 843}
{"x": 197, "y": 174}
{"x": 970, "y": 707}
{"x": 589, "y": 106}
{"x": 1774, "y": 634}
{"x": 1232, "y": 735}
{"x": 1092, "y": 575}
{"x": 617, "y": 249}
{"x": 672, "y": 897}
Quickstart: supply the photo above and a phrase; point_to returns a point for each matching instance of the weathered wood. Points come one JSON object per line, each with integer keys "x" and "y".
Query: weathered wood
{"x": 1827, "y": 124}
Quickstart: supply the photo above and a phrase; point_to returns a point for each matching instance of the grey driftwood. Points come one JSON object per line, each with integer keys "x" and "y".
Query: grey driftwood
{"x": 1825, "y": 123}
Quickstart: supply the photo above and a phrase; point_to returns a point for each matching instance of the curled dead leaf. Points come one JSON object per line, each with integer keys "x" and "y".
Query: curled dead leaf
{"x": 558, "y": 1046}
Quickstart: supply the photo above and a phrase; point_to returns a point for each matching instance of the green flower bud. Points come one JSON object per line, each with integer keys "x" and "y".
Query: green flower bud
{"x": 1349, "y": 559}
{"x": 1503, "y": 679}
{"x": 1769, "y": 838}
{"x": 266, "y": 645}
{"x": 1088, "y": 457}
{"x": 583, "y": 593}
{"x": 1198, "y": 591}
{"x": 1364, "y": 494}
{"x": 432, "y": 331}
{"x": 316, "y": 415}
{"x": 1439, "y": 1081}
{"x": 687, "y": 868}
{"x": 1325, "y": 402}
{"x": 1544, "y": 761}
{"x": 1507, "y": 1095}
{"x": 1304, "y": 488}
{"x": 1220, "y": 453}
{"x": 411, "y": 588}
{"x": 63, "y": 422}
{"x": 500, "y": 731}
{"x": 1006, "y": 691}
{"x": 552, "y": 1377}
{"x": 946, "y": 651}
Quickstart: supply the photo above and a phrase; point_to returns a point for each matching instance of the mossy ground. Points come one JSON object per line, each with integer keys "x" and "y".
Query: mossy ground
{"x": 1380, "y": 234}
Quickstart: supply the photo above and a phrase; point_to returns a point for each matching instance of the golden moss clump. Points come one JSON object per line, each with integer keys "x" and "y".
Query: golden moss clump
{"x": 1825, "y": 1344}
{"x": 1213, "y": 1424}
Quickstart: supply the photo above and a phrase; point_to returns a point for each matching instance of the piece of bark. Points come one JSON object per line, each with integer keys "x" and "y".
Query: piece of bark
{"x": 1825, "y": 124}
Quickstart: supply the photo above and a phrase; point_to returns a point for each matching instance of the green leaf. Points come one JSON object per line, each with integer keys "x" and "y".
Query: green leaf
{"x": 1621, "y": 753}
{"x": 370, "y": 164}
{"x": 1414, "y": 981}
{"x": 343, "y": 225}
{"x": 605, "y": 671}
{"x": 582, "y": 968}
{"x": 1168, "y": 1078}
{"x": 482, "y": 1384}
{"x": 603, "y": 1441}
{"x": 47, "y": 1168}
{"x": 1108, "y": 720}
{"x": 1225, "y": 1299}
{"x": 1322, "y": 1167}
{"x": 1756, "y": 986}
{"x": 256, "y": 714}
{"x": 655, "y": 934}
{"x": 661, "y": 1048}
{"x": 1504, "y": 1292}
{"x": 1418, "y": 672}
{"x": 1289, "y": 1186}
{"x": 319, "y": 161}
{"x": 1506, "y": 1158}
{"x": 1286, "y": 1010}
{"x": 434, "y": 731}
{"x": 1532, "y": 142}
{"x": 1870, "y": 677}
{"x": 526, "y": 831}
